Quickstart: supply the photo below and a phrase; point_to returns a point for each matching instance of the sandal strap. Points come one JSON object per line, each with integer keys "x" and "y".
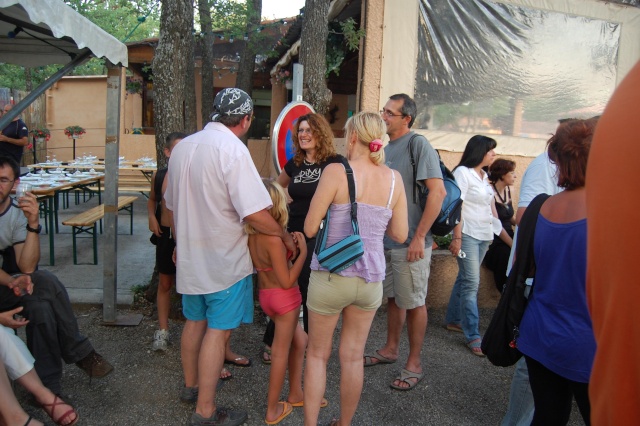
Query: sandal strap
{"x": 51, "y": 411}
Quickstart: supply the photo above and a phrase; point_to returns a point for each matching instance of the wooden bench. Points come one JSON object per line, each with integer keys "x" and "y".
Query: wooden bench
{"x": 85, "y": 223}
{"x": 132, "y": 184}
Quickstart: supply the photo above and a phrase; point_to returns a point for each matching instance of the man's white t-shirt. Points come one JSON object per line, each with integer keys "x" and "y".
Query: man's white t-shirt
{"x": 212, "y": 186}
{"x": 539, "y": 178}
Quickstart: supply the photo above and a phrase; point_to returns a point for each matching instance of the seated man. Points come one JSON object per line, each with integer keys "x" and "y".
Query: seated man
{"x": 52, "y": 328}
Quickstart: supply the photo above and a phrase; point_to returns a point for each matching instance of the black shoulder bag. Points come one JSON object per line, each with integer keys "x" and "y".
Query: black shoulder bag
{"x": 499, "y": 341}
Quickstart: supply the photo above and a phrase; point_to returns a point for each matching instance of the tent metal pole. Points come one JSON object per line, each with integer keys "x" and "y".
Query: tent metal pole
{"x": 111, "y": 172}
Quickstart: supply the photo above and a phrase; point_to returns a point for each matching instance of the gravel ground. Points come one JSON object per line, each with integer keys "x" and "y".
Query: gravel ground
{"x": 459, "y": 388}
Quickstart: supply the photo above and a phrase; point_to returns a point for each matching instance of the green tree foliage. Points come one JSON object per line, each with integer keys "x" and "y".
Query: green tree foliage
{"x": 117, "y": 17}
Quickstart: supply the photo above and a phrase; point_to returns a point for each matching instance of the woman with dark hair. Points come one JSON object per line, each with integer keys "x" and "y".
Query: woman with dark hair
{"x": 556, "y": 335}
{"x": 471, "y": 237}
{"x": 502, "y": 175}
{"x": 314, "y": 150}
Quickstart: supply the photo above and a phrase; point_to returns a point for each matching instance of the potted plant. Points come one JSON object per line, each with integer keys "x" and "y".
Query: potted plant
{"x": 283, "y": 76}
{"x": 74, "y": 131}
{"x": 133, "y": 85}
{"x": 41, "y": 134}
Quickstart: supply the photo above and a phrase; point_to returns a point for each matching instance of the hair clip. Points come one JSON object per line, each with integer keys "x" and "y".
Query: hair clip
{"x": 375, "y": 145}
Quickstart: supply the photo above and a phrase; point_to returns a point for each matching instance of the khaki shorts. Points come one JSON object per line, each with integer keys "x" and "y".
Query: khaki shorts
{"x": 405, "y": 281}
{"x": 329, "y": 294}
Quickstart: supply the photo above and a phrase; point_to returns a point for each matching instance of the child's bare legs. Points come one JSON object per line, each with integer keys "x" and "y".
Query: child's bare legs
{"x": 163, "y": 299}
{"x": 296, "y": 361}
{"x": 11, "y": 413}
{"x": 165, "y": 282}
{"x": 285, "y": 327}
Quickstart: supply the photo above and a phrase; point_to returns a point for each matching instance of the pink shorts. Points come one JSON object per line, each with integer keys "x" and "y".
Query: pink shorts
{"x": 278, "y": 301}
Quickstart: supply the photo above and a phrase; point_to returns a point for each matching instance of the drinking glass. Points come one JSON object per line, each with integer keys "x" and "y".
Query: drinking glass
{"x": 22, "y": 189}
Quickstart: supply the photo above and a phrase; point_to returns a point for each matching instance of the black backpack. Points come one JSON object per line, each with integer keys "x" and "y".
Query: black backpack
{"x": 451, "y": 210}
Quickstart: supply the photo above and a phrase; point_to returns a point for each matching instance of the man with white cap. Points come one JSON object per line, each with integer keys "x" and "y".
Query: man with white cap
{"x": 213, "y": 187}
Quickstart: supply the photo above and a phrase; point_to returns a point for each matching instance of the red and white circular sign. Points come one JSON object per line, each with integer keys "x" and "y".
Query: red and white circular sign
{"x": 282, "y": 141}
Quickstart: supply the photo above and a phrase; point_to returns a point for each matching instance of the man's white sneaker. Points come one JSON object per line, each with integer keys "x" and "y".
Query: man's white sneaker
{"x": 160, "y": 340}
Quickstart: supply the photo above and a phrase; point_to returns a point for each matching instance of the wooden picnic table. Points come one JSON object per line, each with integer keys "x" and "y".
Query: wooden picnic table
{"x": 47, "y": 188}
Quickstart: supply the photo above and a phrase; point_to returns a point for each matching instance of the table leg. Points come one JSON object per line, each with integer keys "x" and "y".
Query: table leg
{"x": 52, "y": 257}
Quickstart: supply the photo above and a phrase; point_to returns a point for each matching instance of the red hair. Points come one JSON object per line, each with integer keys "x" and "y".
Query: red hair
{"x": 569, "y": 150}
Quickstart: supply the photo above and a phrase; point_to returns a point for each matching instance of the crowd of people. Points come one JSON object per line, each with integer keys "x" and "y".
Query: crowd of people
{"x": 219, "y": 228}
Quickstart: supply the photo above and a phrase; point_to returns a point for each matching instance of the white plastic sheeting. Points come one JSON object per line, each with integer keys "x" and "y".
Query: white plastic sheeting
{"x": 71, "y": 31}
{"x": 507, "y": 68}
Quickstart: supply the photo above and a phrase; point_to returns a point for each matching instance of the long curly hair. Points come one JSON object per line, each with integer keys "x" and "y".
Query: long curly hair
{"x": 321, "y": 132}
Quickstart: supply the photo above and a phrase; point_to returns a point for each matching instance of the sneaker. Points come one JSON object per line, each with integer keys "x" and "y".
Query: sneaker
{"x": 189, "y": 395}
{"x": 95, "y": 365}
{"x": 160, "y": 340}
{"x": 222, "y": 416}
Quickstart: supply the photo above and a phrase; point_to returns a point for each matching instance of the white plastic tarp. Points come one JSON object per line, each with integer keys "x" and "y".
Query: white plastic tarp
{"x": 50, "y": 33}
{"x": 508, "y": 68}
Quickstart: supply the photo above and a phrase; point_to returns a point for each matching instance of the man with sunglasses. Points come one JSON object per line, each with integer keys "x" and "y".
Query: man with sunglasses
{"x": 43, "y": 305}
{"x": 408, "y": 264}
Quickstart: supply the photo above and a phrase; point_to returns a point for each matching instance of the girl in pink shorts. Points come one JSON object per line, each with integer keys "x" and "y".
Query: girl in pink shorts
{"x": 280, "y": 298}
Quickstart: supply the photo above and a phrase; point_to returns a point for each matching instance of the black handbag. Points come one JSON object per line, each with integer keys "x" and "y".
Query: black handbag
{"x": 499, "y": 343}
{"x": 347, "y": 251}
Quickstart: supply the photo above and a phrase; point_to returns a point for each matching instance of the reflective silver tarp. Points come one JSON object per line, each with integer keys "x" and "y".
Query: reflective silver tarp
{"x": 494, "y": 68}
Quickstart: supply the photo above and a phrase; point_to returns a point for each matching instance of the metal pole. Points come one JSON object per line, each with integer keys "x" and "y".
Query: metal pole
{"x": 110, "y": 283}
{"x": 298, "y": 74}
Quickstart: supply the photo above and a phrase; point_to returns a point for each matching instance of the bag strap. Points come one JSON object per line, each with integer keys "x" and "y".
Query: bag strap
{"x": 414, "y": 167}
{"x": 352, "y": 195}
{"x": 526, "y": 233}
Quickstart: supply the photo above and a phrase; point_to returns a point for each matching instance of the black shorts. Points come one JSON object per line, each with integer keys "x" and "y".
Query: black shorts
{"x": 164, "y": 252}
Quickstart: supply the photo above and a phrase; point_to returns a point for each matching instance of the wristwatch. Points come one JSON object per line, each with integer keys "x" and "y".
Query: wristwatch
{"x": 34, "y": 230}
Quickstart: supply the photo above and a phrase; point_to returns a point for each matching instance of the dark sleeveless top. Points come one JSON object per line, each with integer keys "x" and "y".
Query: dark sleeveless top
{"x": 505, "y": 213}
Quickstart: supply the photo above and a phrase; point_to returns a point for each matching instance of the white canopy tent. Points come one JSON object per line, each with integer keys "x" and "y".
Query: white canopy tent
{"x": 42, "y": 32}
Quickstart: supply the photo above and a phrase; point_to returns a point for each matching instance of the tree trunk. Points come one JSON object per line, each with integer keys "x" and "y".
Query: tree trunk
{"x": 207, "y": 60}
{"x": 313, "y": 54}
{"x": 190, "y": 112}
{"x": 170, "y": 70}
{"x": 247, "y": 63}
{"x": 27, "y": 79}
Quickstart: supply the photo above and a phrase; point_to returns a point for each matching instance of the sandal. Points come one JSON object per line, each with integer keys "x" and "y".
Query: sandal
{"x": 266, "y": 355}
{"x": 454, "y": 327}
{"x": 60, "y": 421}
{"x": 241, "y": 361}
{"x": 376, "y": 358}
{"x": 223, "y": 377}
{"x": 475, "y": 347}
{"x": 286, "y": 410}
{"x": 28, "y": 421}
{"x": 405, "y": 377}
{"x": 323, "y": 403}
